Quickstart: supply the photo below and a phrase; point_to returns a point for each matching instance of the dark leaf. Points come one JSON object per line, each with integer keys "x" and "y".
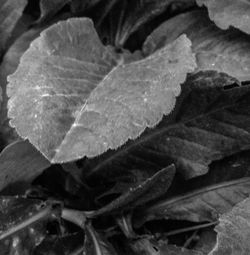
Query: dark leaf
{"x": 148, "y": 190}
{"x": 80, "y": 6}
{"x": 20, "y": 162}
{"x": 206, "y": 242}
{"x": 70, "y": 244}
{"x": 147, "y": 246}
{"x": 95, "y": 244}
{"x": 227, "y": 184}
{"x": 233, "y": 231}
{"x": 226, "y": 13}
{"x": 22, "y": 224}
{"x": 224, "y": 51}
{"x": 10, "y": 13}
{"x": 49, "y": 8}
{"x": 209, "y": 123}
{"x": 134, "y": 14}
{"x": 70, "y": 89}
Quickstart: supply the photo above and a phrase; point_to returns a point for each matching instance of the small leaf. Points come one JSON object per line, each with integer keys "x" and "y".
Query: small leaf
{"x": 150, "y": 189}
{"x": 20, "y": 162}
{"x": 227, "y": 13}
{"x": 224, "y": 51}
{"x": 22, "y": 224}
{"x": 73, "y": 97}
{"x": 208, "y": 124}
{"x": 10, "y": 13}
{"x": 227, "y": 184}
{"x": 234, "y": 231}
{"x": 95, "y": 244}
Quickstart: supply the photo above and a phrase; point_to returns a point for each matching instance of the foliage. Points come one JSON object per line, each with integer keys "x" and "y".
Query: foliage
{"x": 125, "y": 127}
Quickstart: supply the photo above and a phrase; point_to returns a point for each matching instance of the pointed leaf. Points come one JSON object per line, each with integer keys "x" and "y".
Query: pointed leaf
{"x": 150, "y": 189}
{"x": 209, "y": 123}
{"x": 84, "y": 99}
{"x": 227, "y": 13}
{"x": 10, "y": 12}
{"x": 234, "y": 231}
{"x": 224, "y": 51}
{"x": 227, "y": 184}
{"x": 20, "y": 162}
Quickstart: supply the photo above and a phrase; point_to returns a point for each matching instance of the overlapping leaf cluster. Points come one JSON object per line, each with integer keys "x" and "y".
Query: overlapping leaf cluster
{"x": 125, "y": 127}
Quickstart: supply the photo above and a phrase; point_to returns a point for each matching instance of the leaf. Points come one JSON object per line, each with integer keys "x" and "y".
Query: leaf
{"x": 206, "y": 242}
{"x": 49, "y": 8}
{"x": 95, "y": 244}
{"x": 10, "y": 12}
{"x": 224, "y": 51}
{"x": 8, "y": 66}
{"x": 227, "y": 184}
{"x": 80, "y": 6}
{"x": 70, "y": 244}
{"x": 145, "y": 246}
{"x": 226, "y": 13}
{"x": 22, "y": 224}
{"x": 20, "y": 162}
{"x": 208, "y": 124}
{"x": 174, "y": 250}
{"x": 137, "y": 13}
{"x": 233, "y": 231}
{"x": 148, "y": 190}
{"x": 79, "y": 107}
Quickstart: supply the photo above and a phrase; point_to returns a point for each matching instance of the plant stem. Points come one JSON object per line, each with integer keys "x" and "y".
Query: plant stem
{"x": 183, "y": 230}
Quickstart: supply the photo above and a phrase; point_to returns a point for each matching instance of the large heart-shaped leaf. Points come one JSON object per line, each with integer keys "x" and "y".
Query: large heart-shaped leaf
{"x": 227, "y": 13}
{"x": 221, "y": 50}
{"x": 73, "y": 97}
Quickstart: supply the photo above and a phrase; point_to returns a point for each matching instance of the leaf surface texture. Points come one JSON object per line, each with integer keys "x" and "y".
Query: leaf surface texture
{"x": 216, "y": 49}
{"x": 227, "y": 13}
{"x": 81, "y": 99}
